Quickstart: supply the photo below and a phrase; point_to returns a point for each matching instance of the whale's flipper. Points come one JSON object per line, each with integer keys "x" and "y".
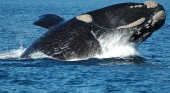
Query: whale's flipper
{"x": 48, "y": 21}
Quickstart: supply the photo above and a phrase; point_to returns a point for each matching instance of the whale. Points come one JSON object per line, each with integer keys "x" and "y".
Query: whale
{"x": 81, "y": 37}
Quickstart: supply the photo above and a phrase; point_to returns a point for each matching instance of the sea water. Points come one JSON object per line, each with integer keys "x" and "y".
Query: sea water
{"x": 125, "y": 69}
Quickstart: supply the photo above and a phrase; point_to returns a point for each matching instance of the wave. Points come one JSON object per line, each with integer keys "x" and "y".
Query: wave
{"x": 15, "y": 54}
{"x": 120, "y": 55}
{"x": 12, "y": 54}
{"x": 118, "y": 51}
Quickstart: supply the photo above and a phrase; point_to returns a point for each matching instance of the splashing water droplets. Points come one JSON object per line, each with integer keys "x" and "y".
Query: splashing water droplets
{"x": 117, "y": 45}
{"x": 39, "y": 55}
{"x": 113, "y": 45}
{"x": 16, "y": 53}
{"x": 12, "y": 54}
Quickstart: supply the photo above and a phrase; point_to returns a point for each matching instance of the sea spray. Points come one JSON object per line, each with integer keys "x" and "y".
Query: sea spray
{"x": 117, "y": 45}
{"x": 12, "y": 54}
{"x": 39, "y": 55}
{"x": 112, "y": 45}
{"x": 16, "y": 53}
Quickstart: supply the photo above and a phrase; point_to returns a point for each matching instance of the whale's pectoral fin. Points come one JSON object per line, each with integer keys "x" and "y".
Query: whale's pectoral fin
{"x": 48, "y": 21}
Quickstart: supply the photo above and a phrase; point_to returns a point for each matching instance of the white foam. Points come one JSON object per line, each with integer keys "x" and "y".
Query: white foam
{"x": 16, "y": 53}
{"x": 113, "y": 45}
{"x": 39, "y": 55}
{"x": 119, "y": 51}
{"x": 12, "y": 54}
{"x": 117, "y": 45}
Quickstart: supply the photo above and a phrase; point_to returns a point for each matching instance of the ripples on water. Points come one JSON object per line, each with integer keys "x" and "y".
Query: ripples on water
{"x": 148, "y": 72}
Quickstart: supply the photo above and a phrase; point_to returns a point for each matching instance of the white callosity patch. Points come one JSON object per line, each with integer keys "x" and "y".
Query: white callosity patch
{"x": 85, "y": 18}
{"x": 147, "y": 26}
{"x": 136, "y": 6}
{"x": 151, "y": 4}
{"x": 134, "y": 24}
{"x": 158, "y": 16}
{"x": 150, "y": 21}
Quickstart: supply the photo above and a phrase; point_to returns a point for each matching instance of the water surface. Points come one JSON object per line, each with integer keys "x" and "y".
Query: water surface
{"x": 147, "y": 73}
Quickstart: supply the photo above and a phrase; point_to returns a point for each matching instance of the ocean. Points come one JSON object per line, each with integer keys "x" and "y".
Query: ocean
{"x": 148, "y": 72}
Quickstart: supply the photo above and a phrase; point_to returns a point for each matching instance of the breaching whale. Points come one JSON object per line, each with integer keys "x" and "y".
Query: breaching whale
{"x": 80, "y": 37}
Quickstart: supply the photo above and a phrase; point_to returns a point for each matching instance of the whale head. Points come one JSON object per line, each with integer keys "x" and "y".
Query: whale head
{"x": 142, "y": 19}
{"x": 137, "y": 20}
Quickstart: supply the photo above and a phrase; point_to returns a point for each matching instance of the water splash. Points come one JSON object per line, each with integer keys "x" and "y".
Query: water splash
{"x": 119, "y": 51}
{"x": 39, "y": 55}
{"x": 12, "y": 54}
{"x": 117, "y": 45}
{"x": 16, "y": 53}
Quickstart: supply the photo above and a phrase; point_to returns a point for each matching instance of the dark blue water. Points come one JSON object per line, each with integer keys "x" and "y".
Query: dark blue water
{"x": 147, "y": 73}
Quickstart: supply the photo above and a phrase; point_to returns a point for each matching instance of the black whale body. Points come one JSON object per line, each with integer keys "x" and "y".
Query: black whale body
{"x": 78, "y": 37}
